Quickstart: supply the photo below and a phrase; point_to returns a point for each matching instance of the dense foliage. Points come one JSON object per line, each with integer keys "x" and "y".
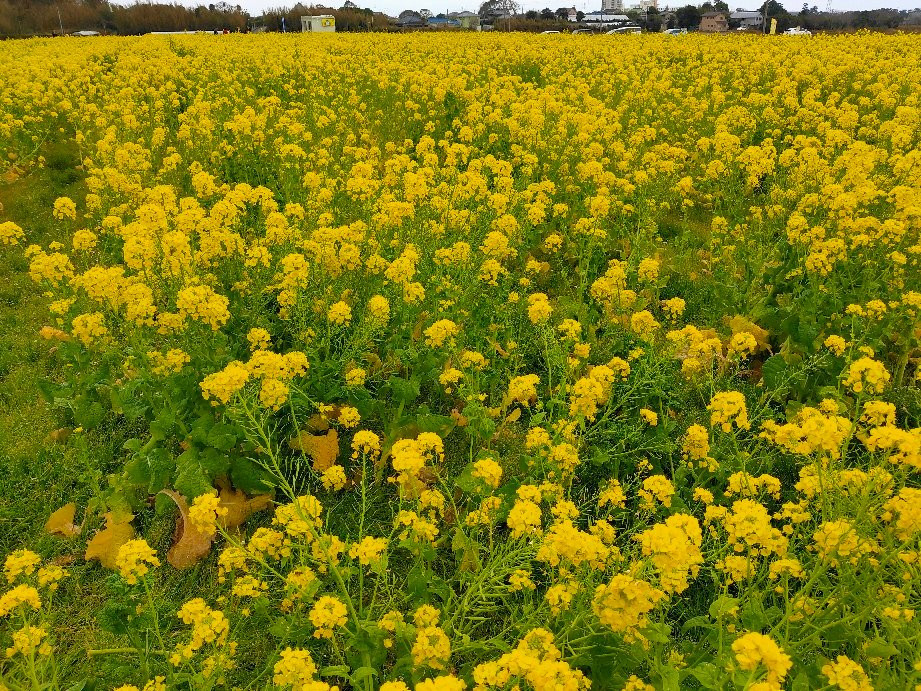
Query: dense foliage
{"x": 480, "y": 361}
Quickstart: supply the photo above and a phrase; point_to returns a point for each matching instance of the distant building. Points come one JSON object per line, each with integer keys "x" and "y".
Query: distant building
{"x": 318, "y": 23}
{"x": 605, "y": 17}
{"x": 443, "y": 23}
{"x": 410, "y": 19}
{"x": 746, "y": 19}
{"x": 714, "y": 23}
{"x": 572, "y": 15}
{"x": 649, "y": 5}
{"x": 468, "y": 20}
{"x": 612, "y": 5}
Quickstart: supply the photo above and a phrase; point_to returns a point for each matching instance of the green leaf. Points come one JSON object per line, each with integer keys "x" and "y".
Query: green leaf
{"x": 801, "y": 682}
{"x": 701, "y": 622}
{"x": 658, "y": 633}
{"x": 89, "y": 415}
{"x": 334, "y": 671}
{"x": 249, "y": 477}
{"x": 417, "y": 581}
{"x": 191, "y": 479}
{"x": 163, "y": 425}
{"x": 671, "y": 680}
{"x": 773, "y": 371}
{"x": 708, "y": 675}
{"x": 214, "y": 462}
{"x": 222, "y": 437}
{"x": 466, "y": 482}
{"x": 723, "y": 606}
{"x": 361, "y": 674}
{"x": 753, "y": 616}
{"x": 442, "y": 425}
{"x": 160, "y": 468}
{"x": 46, "y": 389}
{"x": 879, "y": 647}
{"x": 137, "y": 470}
{"x": 403, "y": 390}
{"x": 116, "y": 615}
{"x": 200, "y": 429}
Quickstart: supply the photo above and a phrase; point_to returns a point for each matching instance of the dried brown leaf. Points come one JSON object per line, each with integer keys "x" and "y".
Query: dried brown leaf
{"x": 239, "y": 508}
{"x": 316, "y": 423}
{"x": 322, "y": 448}
{"x": 190, "y": 545}
{"x": 61, "y": 522}
{"x": 459, "y": 418}
{"x": 740, "y": 324}
{"x": 105, "y": 544}
{"x": 59, "y": 436}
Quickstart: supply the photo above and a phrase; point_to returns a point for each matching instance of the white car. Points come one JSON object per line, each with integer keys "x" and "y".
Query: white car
{"x": 550, "y": 32}
{"x": 675, "y": 32}
{"x": 797, "y": 31}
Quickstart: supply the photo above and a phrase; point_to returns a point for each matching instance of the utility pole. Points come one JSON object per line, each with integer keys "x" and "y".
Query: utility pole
{"x": 60, "y": 23}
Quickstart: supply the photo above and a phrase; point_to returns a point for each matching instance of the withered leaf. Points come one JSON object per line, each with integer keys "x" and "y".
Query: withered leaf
{"x": 105, "y": 544}
{"x": 59, "y": 436}
{"x": 190, "y": 545}
{"x": 322, "y": 448}
{"x": 61, "y": 522}
{"x": 740, "y": 324}
{"x": 239, "y": 508}
{"x": 459, "y": 418}
{"x": 316, "y": 423}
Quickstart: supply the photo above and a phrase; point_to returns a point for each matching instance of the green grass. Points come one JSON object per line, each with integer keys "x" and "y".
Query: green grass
{"x": 38, "y": 474}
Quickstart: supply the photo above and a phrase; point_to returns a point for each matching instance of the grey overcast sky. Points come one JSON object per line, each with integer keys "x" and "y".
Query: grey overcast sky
{"x": 394, "y": 7}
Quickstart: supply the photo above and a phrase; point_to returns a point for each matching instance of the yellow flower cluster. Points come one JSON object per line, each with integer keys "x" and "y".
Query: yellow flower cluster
{"x": 209, "y": 627}
{"x": 205, "y": 513}
{"x": 755, "y": 651}
{"x": 134, "y": 560}
{"x": 327, "y": 615}
{"x": 537, "y": 661}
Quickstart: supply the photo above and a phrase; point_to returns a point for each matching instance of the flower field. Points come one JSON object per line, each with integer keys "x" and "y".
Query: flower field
{"x": 463, "y": 361}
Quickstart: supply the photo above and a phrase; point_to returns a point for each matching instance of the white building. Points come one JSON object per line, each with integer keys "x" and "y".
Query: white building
{"x": 747, "y": 19}
{"x": 612, "y": 6}
{"x": 606, "y": 17}
{"x": 318, "y": 23}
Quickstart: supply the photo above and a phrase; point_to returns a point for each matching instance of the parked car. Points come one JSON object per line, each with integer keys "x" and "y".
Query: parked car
{"x": 550, "y": 32}
{"x": 797, "y": 31}
{"x": 675, "y": 32}
{"x": 625, "y": 30}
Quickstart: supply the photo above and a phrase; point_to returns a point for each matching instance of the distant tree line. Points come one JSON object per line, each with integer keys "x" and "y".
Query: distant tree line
{"x": 47, "y": 17}
{"x": 812, "y": 18}
{"x": 52, "y": 17}
{"x": 689, "y": 16}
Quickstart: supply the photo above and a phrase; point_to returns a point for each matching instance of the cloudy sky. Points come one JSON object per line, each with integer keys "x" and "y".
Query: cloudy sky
{"x": 394, "y": 7}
